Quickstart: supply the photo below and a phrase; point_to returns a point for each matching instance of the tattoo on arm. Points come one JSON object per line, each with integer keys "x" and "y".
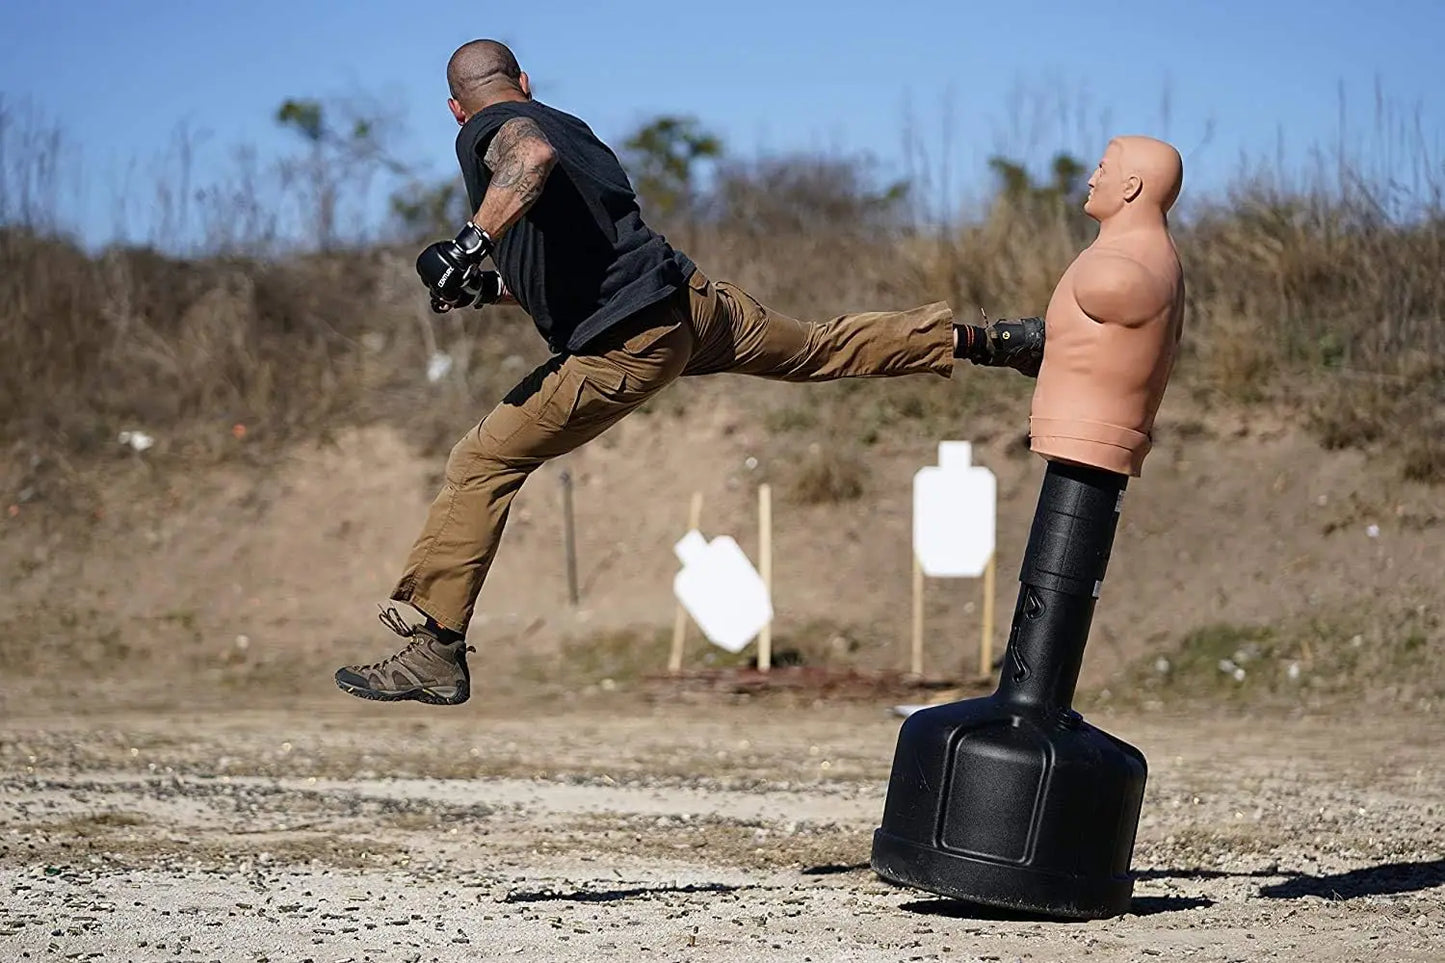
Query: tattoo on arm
{"x": 520, "y": 158}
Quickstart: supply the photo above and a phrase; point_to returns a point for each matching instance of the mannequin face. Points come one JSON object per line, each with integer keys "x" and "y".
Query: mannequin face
{"x": 1107, "y": 185}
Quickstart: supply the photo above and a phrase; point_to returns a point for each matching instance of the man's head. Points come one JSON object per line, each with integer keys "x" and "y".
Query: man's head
{"x": 1136, "y": 172}
{"x": 482, "y": 73}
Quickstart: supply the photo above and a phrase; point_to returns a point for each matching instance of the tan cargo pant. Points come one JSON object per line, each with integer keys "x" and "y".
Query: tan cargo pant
{"x": 704, "y": 329}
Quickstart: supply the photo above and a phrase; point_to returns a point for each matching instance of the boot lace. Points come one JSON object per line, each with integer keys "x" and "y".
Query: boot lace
{"x": 392, "y": 619}
{"x": 418, "y": 634}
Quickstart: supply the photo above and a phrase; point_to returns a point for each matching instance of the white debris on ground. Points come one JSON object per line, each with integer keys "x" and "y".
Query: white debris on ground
{"x": 136, "y": 440}
{"x": 438, "y": 366}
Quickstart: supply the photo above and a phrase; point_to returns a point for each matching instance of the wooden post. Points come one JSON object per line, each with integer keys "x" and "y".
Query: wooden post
{"x": 569, "y": 537}
{"x": 985, "y": 651}
{"x": 916, "y": 661}
{"x": 679, "y": 622}
{"x": 765, "y": 569}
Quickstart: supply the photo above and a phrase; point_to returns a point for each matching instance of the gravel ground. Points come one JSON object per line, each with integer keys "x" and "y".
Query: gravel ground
{"x": 671, "y": 833}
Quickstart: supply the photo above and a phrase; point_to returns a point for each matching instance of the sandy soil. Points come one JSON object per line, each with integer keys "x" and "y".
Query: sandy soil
{"x": 611, "y": 830}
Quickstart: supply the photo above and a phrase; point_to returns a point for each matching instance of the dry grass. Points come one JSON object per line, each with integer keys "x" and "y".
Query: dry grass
{"x": 1322, "y": 297}
{"x": 222, "y": 358}
{"x": 826, "y": 476}
{"x": 1391, "y": 656}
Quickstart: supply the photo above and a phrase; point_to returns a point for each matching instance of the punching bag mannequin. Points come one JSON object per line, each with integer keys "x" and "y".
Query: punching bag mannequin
{"x": 1014, "y": 800}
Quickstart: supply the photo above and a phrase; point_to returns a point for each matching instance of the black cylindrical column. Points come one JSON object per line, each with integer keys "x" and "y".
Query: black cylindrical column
{"x": 1063, "y": 569}
{"x": 1012, "y": 799}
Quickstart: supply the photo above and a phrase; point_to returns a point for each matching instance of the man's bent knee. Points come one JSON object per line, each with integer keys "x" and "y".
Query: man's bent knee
{"x": 473, "y": 459}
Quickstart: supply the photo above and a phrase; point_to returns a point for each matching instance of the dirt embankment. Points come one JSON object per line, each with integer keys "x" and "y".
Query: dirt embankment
{"x": 1315, "y": 572}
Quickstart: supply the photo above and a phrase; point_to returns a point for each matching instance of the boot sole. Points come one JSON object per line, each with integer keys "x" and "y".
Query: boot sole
{"x": 429, "y": 696}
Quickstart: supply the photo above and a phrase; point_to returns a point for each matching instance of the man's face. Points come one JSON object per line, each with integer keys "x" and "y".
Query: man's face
{"x": 1106, "y": 186}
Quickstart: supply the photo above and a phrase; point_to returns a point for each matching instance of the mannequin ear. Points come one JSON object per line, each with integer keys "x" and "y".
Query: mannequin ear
{"x": 1133, "y": 185}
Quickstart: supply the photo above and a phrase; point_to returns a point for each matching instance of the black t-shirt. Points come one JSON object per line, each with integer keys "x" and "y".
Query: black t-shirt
{"x": 580, "y": 260}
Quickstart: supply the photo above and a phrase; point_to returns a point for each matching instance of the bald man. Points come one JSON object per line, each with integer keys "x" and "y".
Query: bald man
{"x": 624, "y": 313}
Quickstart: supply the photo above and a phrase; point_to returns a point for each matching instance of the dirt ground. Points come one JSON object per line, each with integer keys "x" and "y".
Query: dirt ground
{"x": 615, "y": 829}
{"x": 180, "y": 779}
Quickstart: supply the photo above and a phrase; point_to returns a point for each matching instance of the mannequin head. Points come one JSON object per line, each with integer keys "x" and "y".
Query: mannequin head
{"x": 1135, "y": 173}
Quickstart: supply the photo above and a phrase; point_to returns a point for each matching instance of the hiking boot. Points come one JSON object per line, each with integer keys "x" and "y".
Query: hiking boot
{"x": 1004, "y": 344}
{"x": 430, "y": 669}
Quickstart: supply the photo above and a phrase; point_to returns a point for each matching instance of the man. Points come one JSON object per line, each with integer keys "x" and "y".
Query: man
{"x": 624, "y": 314}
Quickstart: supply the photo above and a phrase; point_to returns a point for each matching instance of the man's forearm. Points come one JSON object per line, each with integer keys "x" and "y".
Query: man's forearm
{"x": 520, "y": 158}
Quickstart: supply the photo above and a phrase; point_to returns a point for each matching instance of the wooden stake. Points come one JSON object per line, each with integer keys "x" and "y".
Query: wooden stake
{"x": 679, "y": 622}
{"x": 765, "y": 569}
{"x": 569, "y": 538}
{"x": 916, "y": 661}
{"x": 985, "y": 650}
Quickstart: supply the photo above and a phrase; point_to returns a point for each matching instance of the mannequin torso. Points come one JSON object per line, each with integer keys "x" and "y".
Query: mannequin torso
{"x": 1113, "y": 325}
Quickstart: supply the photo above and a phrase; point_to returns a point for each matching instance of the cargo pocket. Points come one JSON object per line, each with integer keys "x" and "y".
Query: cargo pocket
{"x": 594, "y": 389}
{"x": 641, "y": 343}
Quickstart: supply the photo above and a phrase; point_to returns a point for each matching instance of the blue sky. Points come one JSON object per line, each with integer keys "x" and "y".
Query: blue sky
{"x": 1023, "y": 76}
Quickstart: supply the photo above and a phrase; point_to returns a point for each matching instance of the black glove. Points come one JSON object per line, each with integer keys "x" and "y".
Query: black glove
{"x": 480, "y": 289}
{"x": 490, "y": 288}
{"x": 451, "y": 270}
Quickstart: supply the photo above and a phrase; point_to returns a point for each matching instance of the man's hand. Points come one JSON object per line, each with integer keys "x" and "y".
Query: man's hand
{"x": 447, "y": 276}
{"x": 452, "y": 271}
{"x": 491, "y": 289}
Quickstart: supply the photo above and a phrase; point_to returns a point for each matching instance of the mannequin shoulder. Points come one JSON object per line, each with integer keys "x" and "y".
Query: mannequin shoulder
{"x": 1112, "y": 286}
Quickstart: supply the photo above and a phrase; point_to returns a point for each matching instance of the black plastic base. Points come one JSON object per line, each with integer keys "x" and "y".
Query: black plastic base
{"x": 1007, "y": 809}
{"x": 1012, "y": 800}
{"x": 991, "y": 884}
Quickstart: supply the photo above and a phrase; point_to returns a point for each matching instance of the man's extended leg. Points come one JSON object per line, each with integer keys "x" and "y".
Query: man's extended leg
{"x": 739, "y": 334}
{"x": 559, "y": 407}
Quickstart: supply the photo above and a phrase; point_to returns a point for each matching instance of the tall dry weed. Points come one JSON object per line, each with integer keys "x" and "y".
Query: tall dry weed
{"x": 1331, "y": 296}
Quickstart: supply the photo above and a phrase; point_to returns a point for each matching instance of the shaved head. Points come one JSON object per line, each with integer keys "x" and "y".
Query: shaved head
{"x": 482, "y": 68}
